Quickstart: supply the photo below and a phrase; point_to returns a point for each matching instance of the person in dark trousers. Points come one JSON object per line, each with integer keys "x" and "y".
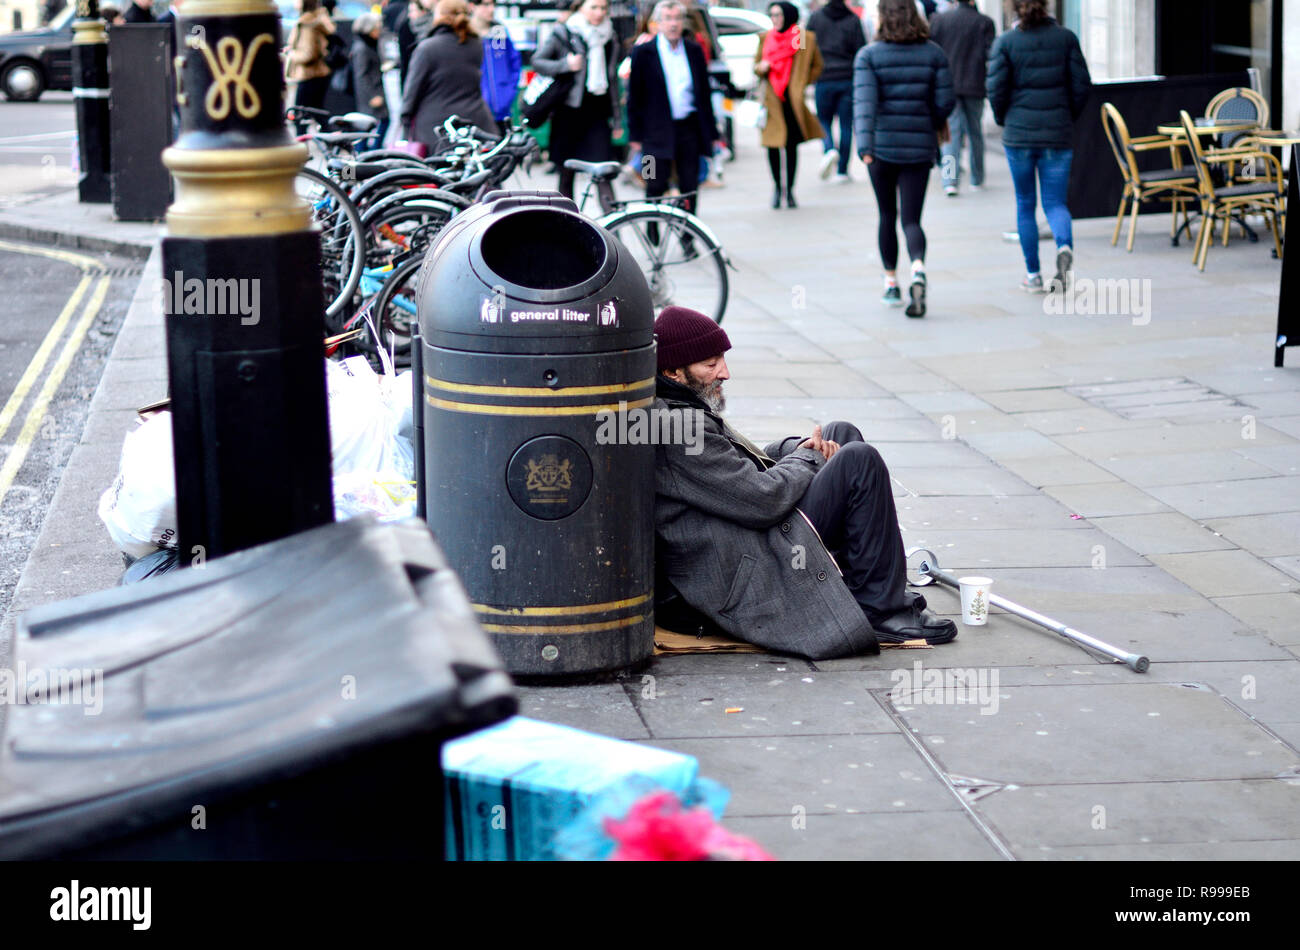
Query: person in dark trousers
{"x": 445, "y": 78}
{"x": 966, "y": 36}
{"x": 839, "y": 37}
{"x": 308, "y": 73}
{"x": 788, "y": 59}
{"x": 367, "y": 73}
{"x": 795, "y": 547}
{"x": 902, "y": 95}
{"x": 1038, "y": 85}
{"x": 139, "y": 11}
{"x": 669, "y": 112}
{"x": 582, "y": 126}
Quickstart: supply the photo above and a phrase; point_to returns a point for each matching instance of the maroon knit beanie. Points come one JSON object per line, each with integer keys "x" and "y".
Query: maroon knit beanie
{"x": 686, "y": 337}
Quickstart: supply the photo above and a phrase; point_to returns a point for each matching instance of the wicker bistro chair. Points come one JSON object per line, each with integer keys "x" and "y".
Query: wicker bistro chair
{"x": 1238, "y": 104}
{"x": 1175, "y": 185}
{"x": 1262, "y": 196}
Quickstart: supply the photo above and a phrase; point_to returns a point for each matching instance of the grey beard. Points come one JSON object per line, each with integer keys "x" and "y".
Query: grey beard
{"x": 710, "y": 393}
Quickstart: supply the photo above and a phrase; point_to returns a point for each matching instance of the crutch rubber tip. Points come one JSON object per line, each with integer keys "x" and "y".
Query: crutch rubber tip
{"x": 1139, "y": 664}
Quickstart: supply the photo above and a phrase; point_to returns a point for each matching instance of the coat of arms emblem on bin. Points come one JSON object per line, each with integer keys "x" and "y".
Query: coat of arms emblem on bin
{"x": 547, "y": 477}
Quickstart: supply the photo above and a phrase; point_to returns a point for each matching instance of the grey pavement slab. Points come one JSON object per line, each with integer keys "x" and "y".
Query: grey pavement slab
{"x": 1253, "y": 496}
{"x": 1011, "y": 548}
{"x": 1282, "y": 459}
{"x": 1286, "y": 424}
{"x": 1182, "y": 468}
{"x": 1262, "y": 535}
{"x": 1051, "y": 591}
{"x": 1026, "y": 512}
{"x": 1105, "y": 498}
{"x": 1032, "y": 400}
{"x": 1056, "y": 470}
{"x": 1289, "y": 564}
{"x": 946, "y": 454}
{"x": 791, "y": 703}
{"x": 985, "y": 481}
{"x": 603, "y": 708}
{"x": 1015, "y": 444}
{"x": 1226, "y": 573}
{"x": 1264, "y": 689}
{"x": 904, "y": 836}
{"x": 1160, "y": 439}
{"x": 1218, "y": 851}
{"x": 823, "y": 775}
{"x": 1050, "y": 735}
{"x": 688, "y": 664}
{"x": 1276, "y": 615}
{"x": 1143, "y": 813}
{"x": 1161, "y": 533}
{"x": 109, "y": 427}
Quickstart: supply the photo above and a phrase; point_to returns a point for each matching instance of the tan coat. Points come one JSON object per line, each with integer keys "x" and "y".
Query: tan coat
{"x": 307, "y": 46}
{"x": 807, "y": 67}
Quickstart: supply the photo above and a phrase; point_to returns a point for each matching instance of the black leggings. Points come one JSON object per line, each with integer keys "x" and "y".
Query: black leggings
{"x": 792, "y": 138}
{"x": 889, "y": 180}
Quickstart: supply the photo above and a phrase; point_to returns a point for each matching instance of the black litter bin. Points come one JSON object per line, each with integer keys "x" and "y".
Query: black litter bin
{"x": 537, "y": 342}
{"x": 285, "y": 702}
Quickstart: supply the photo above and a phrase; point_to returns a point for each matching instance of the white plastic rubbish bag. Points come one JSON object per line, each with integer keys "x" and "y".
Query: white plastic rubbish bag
{"x": 139, "y": 509}
{"x": 370, "y": 431}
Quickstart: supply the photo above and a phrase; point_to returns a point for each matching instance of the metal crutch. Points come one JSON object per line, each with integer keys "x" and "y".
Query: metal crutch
{"x": 928, "y": 571}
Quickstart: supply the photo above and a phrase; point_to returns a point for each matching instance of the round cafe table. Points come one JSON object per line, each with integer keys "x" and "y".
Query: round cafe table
{"x": 1175, "y": 129}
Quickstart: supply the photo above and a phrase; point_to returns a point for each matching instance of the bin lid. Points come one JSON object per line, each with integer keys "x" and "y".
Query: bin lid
{"x": 527, "y": 273}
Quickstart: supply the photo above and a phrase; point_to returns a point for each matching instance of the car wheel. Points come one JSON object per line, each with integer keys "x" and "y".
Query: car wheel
{"x": 23, "y": 82}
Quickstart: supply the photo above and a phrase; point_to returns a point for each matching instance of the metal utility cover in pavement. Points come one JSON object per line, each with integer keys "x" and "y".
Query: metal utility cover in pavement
{"x": 1156, "y": 398}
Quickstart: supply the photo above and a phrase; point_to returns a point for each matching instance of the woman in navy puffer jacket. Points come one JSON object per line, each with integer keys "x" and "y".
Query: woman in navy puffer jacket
{"x": 1038, "y": 85}
{"x": 902, "y": 94}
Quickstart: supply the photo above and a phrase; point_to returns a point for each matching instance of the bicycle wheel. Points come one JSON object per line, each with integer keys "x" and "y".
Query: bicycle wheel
{"x": 393, "y": 311}
{"x": 405, "y": 221}
{"x": 343, "y": 251}
{"x": 682, "y": 264}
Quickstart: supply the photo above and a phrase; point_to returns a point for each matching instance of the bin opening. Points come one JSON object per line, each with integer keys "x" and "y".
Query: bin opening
{"x": 543, "y": 249}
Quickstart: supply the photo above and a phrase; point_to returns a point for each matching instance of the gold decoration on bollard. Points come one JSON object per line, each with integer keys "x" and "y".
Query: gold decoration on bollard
{"x": 230, "y": 66}
{"x": 236, "y": 191}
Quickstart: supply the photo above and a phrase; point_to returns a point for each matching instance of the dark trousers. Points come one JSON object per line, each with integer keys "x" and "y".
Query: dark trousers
{"x": 685, "y": 161}
{"x": 890, "y": 182}
{"x": 791, "y": 150}
{"x": 834, "y": 98}
{"x": 852, "y": 507}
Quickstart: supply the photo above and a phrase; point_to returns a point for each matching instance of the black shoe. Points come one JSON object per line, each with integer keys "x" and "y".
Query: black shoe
{"x": 776, "y": 198}
{"x": 916, "y": 290}
{"x": 689, "y": 251}
{"x": 789, "y": 200}
{"x": 915, "y": 624}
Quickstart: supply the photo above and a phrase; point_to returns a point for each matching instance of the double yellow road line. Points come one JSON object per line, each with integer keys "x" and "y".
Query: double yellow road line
{"x": 91, "y": 269}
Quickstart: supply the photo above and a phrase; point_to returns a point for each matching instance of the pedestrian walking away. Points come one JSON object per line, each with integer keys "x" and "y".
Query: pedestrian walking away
{"x": 966, "y": 36}
{"x": 839, "y": 37}
{"x": 1038, "y": 84}
{"x": 795, "y": 547}
{"x": 367, "y": 72}
{"x": 788, "y": 60}
{"x": 307, "y": 72}
{"x": 902, "y": 96}
{"x": 445, "y": 78}
{"x": 583, "y": 124}
{"x": 669, "y": 113}
{"x": 501, "y": 62}
{"x": 413, "y": 28}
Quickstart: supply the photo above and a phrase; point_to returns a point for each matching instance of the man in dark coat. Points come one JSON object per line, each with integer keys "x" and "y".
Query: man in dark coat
{"x": 669, "y": 112}
{"x": 750, "y": 539}
{"x": 966, "y": 35}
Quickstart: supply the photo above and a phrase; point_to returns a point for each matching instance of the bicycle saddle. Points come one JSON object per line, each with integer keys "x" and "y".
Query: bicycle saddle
{"x": 354, "y": 122}
{"x": 597, "y": 170}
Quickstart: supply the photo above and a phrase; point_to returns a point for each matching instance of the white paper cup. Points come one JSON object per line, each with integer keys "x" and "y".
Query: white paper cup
{"x": 975, "y": 600}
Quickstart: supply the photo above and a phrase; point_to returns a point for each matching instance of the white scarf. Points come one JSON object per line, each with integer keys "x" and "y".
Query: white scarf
{"x": 595, "y": 37}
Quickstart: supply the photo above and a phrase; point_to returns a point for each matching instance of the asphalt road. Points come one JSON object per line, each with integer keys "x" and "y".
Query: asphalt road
{"x": 64, "y": 312}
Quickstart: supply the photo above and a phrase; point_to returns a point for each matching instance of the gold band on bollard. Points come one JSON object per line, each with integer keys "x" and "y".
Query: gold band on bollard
{"x": 226, "y": 192}
{"x": 88, "y": 33}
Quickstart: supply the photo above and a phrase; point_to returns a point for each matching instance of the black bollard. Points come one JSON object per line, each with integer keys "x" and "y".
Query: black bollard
{"x": 90, "y": 93}
{"x": 242, "y": 294}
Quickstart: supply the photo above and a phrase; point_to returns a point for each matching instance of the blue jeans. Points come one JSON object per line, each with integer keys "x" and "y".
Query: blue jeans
{"x": 965, "y": 121}
{"x": 1052, "y": 168}
{"x": 834, "y": 100}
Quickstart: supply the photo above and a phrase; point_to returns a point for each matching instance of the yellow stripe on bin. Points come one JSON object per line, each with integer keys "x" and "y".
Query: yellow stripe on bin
{"x": 537, "y": 392}
{"x": 563, "y": 611}
{"x": 562, "y": 629}
{"x": 487, "y": 410}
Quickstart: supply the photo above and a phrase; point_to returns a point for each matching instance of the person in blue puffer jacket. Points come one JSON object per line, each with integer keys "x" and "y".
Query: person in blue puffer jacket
{"x": 1038, "y": 85}
{"x": 902, "y": 95}
{"x": 501, "y": 62}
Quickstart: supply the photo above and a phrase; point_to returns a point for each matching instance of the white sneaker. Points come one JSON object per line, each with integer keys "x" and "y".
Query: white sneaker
{"x": 975, "y": 187}
{"x": 950, "y": 191}
{"x": 829, "y": 160}
{"x": 841, "y": 179}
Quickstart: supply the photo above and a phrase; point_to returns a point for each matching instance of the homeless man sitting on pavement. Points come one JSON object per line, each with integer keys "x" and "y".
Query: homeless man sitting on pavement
{"x": 749, "y": 540}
